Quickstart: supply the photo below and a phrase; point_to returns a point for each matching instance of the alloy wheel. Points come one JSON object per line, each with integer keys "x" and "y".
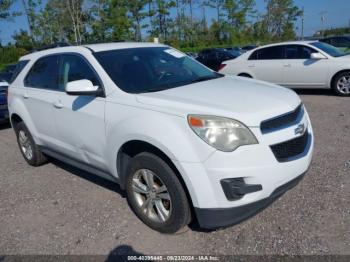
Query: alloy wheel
{"x": 343, "y": 85}
{"x": 25, "y": 144}
{"x": 152, "y": 196}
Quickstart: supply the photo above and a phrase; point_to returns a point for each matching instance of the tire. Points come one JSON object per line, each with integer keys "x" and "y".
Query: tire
{"x": 341, "y": 84}
{"x": 29, "y": 149}
{"x": 166, "y": 211}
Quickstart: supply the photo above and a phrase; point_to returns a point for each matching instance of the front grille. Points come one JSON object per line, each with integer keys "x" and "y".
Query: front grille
{"x": 282, "y": 121}
{"x": 290, "y": 149}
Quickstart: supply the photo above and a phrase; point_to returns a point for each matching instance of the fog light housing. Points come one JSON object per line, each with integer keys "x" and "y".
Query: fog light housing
{"x": 236, "y": 188}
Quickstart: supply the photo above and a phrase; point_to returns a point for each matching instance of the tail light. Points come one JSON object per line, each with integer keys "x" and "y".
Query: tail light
{"x": 221, "y": 66}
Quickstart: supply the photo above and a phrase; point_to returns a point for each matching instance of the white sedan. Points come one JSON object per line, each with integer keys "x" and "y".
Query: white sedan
{"x": 300, "y": 64}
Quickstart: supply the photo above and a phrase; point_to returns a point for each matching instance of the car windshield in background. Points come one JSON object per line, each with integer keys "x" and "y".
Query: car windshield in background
{"x": 329, "y": 49}
{"x": 151, "y": 69}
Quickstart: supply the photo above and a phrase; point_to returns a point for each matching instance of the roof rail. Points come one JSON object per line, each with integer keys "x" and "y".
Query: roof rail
{"x": 55, "y": 45}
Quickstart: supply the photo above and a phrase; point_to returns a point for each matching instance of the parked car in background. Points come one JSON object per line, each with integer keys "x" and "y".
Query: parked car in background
{"x": 247, "y": 48}
{"x": 192, "y": 54}
{"x": 6, "y": 78}
{"x": 301, "y": 64}
{"x": 337, "y": 41}
{"x": 213, "y": 57}
{"x": 183, "y": 141}
{"x": 4, "y": 114}
{"x": 236, "y": 51}
{"x": 7, "y": 72}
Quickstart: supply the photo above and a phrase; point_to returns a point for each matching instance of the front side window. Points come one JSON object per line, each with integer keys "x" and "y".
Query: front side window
{"x": 74, "y": 67}
{"x": 44, "y": 73}
{"x": 151, "y": 69}
{"x": 298, "y": 52}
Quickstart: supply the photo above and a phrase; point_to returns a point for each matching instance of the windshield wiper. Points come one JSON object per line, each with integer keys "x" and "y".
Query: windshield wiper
{"x": 206, "y": 78}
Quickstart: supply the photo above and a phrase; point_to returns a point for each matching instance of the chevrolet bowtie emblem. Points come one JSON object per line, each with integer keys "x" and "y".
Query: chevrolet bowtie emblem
{"x": 300, "y": 130}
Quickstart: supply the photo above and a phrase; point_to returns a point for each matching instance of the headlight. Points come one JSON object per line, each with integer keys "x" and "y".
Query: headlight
{"x": 222, "y": 133}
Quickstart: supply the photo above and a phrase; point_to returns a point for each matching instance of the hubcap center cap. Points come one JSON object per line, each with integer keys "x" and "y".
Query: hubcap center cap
{"x": 152, "y": 194}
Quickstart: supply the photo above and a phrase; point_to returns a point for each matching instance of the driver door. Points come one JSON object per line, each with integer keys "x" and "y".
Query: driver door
{"x": 299, "y": 70}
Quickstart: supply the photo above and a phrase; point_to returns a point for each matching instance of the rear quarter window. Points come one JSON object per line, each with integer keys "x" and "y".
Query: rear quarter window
{"x": 18, "y": 69}
{"x": 44, "y": 73}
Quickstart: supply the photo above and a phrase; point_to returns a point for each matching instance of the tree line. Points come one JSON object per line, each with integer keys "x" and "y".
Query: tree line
{"x": 180, "y": 23}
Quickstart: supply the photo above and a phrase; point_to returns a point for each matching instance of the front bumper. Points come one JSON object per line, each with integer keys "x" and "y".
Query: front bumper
{"x": 221, "y": 217}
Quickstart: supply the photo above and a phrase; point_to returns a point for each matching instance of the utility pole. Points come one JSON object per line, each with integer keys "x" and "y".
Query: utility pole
{"x": 323, "y": 19}
{"x": 302, "y": 24}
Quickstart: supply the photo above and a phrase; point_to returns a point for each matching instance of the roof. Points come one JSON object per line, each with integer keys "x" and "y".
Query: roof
{"x": 93, "y": 47}
{"x": 290, "y": 43}
{"x": 121, "y": 45}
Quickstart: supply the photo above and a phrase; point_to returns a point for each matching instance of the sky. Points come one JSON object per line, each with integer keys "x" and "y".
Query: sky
{"x": 337, "y": 15}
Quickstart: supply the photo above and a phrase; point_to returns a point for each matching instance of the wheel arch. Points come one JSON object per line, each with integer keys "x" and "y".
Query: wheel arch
{"x": 336, "y": 74}
{"x": 15, "y": 119}
{"x": 133, "y": 147}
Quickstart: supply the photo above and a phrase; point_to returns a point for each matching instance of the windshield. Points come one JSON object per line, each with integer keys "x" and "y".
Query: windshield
{"x": 151, "y": 69}
{"x": 329, "y": 49}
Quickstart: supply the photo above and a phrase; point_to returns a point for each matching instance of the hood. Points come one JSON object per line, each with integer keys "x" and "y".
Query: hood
{"x": 246, "y": 100}
{"x": 345, "y": 57}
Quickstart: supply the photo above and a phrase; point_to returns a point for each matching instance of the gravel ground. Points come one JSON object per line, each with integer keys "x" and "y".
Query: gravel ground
{"x": 57, "y": 209}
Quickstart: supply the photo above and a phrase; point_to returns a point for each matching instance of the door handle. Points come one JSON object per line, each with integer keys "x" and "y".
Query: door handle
{"x": 25, "y": 96}
{"x": 251, "y": 65}
{"x": 58, "y": 104}
{"x": 287, "y": 65}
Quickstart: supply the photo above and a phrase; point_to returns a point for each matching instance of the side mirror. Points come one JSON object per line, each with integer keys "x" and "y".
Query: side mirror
{"x": 83, "y": 87}
{"x": 317, "y": 56}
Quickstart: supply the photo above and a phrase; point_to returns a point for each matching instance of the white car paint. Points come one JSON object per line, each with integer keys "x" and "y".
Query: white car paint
{"x": 293, "y": 73}
{"x": 92, "y": 130}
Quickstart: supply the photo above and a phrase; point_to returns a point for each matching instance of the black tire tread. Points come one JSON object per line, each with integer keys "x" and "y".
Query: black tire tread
{"x": 177, "y": 220}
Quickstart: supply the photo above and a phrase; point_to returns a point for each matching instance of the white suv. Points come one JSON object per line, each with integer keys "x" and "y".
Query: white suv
{"x": 183, "y": 141}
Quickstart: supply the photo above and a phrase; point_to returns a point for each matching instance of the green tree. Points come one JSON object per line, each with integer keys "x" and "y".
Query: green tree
{"x": 236, "y": 16}
{"x": 278, "y": 22}
{"x": 23, "y": 40}
{"x": 97, "y": 21}
{"x": 138, "y": 13}
{"x": 118, "y": 20}
{"x": 4, "y": 9}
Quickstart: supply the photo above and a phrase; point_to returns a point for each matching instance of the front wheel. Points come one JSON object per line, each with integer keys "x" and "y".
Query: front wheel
{"x": 341, "y": 84}
{"x": 156, "y": 195}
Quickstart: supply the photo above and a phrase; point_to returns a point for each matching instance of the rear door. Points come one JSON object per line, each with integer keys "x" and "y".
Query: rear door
{"x": 299, "y": 70}
{"x": 41, "y": 89}
{"x": 266, "y": 64}
{"x": 79, "y": 120}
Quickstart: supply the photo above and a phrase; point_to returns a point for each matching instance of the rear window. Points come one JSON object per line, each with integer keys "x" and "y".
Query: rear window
{"x": 268, "y": 53}
{"x": 18, "y": 69}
